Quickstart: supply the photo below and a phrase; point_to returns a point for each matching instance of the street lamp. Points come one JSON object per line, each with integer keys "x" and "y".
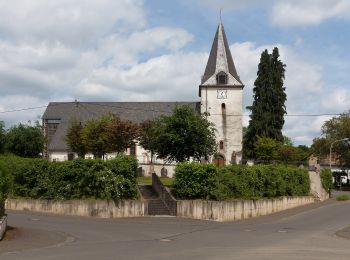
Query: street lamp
{"x": 330, "y": 151}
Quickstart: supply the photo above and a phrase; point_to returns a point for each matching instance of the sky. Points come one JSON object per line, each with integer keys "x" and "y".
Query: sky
{"x": 156, "y": 50}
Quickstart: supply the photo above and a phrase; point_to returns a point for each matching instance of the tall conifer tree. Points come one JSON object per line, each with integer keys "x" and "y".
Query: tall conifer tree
{"x": 268, "y": 108}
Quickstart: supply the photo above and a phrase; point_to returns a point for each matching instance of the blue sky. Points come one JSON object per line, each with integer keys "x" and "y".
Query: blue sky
{"x": 156, "y": 50}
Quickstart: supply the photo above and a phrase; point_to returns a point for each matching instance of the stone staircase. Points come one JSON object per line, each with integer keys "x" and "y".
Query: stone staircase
{"x": 155, "y": 204}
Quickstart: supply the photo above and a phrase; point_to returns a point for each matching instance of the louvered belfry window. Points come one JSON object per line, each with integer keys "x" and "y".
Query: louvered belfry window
{"x": 221, "y": 78}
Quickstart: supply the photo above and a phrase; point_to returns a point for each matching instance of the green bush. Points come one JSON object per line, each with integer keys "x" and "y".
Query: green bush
{"x": 4, "y": 188}
{"x": 77, "y": 179}
{"x": 194, "y": 180}
{"x": 202, "y": 181}
{"x": 326, "y": 179}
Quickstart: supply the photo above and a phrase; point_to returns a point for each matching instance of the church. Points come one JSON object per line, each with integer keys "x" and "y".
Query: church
{"x": 220, "y": 97}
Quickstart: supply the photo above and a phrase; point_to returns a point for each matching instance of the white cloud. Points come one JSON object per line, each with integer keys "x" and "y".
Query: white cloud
{"x": 71, "y": 22}
{"x": 168, "y": 77}
{"x": 232, "y": 4}
{"x": 49, "y": 49}
{"x": 290, "y": 12}
{"x": 308, "y": 12}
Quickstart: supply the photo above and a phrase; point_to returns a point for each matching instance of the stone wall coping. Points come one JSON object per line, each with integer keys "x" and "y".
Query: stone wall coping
{"x": 3, "y": 226}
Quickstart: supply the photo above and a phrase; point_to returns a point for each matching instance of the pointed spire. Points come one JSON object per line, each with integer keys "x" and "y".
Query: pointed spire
{"x": 220, "y": 59}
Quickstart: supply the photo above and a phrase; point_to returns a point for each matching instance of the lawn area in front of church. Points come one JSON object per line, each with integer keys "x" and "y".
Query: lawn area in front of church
{"x": 148, "y": 181}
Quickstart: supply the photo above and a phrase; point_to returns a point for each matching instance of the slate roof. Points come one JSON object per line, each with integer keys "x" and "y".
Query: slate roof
{"x": 214, "y": 59}
{"x": 136, "y": 112}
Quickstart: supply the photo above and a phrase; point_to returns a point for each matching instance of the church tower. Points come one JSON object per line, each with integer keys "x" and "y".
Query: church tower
{"x": 221, "y": 93}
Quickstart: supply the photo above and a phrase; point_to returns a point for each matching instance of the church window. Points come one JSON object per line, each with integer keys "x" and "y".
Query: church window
{"x": 221, "y": 145}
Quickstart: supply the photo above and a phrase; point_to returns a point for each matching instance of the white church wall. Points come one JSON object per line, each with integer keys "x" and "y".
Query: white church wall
{"x": 160, "y": 167}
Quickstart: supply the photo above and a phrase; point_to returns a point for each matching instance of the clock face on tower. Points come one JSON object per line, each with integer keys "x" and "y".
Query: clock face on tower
{"x": 222, "y": 93}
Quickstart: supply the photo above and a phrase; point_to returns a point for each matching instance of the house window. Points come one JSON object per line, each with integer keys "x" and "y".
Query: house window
{"x": 70, "y": 156}
{"x": 221, "y": 78}
{"x": 221, "y": 145}
{"x": 133, "y": 150}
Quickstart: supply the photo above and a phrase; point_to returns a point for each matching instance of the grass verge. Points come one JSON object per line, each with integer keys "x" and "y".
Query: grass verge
{"x": 343, "y": 197}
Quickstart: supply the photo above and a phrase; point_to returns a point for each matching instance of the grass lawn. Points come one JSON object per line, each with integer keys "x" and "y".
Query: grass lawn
{"x": 148, "y": 181}
{"x": 343, "y": 197}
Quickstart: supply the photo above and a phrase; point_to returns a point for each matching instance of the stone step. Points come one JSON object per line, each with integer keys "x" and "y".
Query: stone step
{"x": 148, "y": 192}
{"x": 157, "y": 207}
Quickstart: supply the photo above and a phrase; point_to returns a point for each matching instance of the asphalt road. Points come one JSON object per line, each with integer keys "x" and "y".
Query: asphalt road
{"x": 304, "y": 233}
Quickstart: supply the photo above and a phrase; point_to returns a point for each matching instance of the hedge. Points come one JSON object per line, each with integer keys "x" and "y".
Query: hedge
{"x": 194, "y": 180}
{"x": 4, "y": 188}
{"x": 77, "y": 179}
{"x": 326, "y": 179}
{"x": 203, "y": 181}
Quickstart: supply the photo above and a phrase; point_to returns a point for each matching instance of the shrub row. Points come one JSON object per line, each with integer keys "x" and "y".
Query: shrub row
{"x": 4, "y": 188}
{"x": 203, "y": 181}
{"x": 326, "y": 179}
{"x": 78, "y": 179}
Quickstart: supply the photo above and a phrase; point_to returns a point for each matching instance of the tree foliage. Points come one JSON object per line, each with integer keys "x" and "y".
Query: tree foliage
{"x": 183, "y": 135}
{"x": 266, "y": 149}
{"x": 5, "y": 183}
{"x": 292, "y": 154}
{"x": 268, "y": 108}
{"x": 2, "y": 137}
{"x": 74, "y": 138}
{"x": 95, "y": 136}
{"x": 148, "y": 136}
{"x": 101, "y": 135}
{"x": 25, "y": 140}
{"x": 121, "y": 134}
{"x": 334, "y": 129}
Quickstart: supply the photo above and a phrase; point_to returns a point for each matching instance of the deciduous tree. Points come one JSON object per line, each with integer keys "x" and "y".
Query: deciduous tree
{"x": 334, "y": 129}
{"x": 183, "y": 135}
{"x": 121, "y": 134}
{"x": 74, "y": 138}
{"x": 25, "y": 140}
{"x": 95, "y": 136}
{"x": 266, "y": 149}
{"x": 2, "y": 136}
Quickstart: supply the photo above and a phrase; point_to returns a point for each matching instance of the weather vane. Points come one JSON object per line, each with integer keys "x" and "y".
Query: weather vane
{"x": 220, "y": 14}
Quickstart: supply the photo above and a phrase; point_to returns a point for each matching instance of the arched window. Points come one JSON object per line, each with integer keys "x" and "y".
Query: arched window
{"x": 221, "y": 145}
{"x": 164, "y": 172}
{"x": 223, "y": 106}
{"x": 221, "y": 78}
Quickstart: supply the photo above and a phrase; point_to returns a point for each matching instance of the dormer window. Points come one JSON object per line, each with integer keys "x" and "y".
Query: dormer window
{"x": 221, "y": 78}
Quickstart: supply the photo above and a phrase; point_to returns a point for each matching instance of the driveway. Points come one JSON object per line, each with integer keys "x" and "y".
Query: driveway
{"x": 307, "y": 232}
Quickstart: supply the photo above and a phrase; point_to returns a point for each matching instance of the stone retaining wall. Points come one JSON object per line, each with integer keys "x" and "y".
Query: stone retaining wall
{"x": 237, "y": 209}
{"x": 3, "y": 225}
{"x": 95, "y": 208}
{"x": 316, "y": 188}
